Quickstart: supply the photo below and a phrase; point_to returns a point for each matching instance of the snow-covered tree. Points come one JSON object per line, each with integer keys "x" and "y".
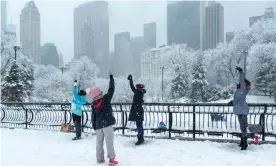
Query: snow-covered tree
{"x": 180, "y": 83}
{"x": 13, "y": 85}
{"x": 123, "y": 92}
{"x": 199, "y": 81}
{"x": 264, "y": 75}
{"x": 85, "y": 71}
{"x": 7, "y": 51}
{"x": 27, "y": 74}
{"x": 50, "y": 85}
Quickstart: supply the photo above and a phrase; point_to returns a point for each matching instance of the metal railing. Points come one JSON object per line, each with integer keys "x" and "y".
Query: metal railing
{"x": 184, "y": 121}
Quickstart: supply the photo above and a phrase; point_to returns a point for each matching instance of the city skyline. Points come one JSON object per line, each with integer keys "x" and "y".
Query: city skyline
{"x": 139, "y": 14}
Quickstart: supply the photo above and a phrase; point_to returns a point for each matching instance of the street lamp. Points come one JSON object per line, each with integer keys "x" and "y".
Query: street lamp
{"x": 16, "y": 48}
{"x": 62, "y": 69}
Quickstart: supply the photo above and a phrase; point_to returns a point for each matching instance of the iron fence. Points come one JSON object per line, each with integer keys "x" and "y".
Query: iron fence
{"x": 186, "y": 121}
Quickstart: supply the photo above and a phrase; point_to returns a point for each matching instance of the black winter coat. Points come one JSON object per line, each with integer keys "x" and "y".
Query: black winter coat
{"x": 137, "y": 111}
{"x": 103, "y": 116}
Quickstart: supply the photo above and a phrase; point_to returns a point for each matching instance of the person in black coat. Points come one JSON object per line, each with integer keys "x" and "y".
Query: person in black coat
{"x": 103, "y": 120}
{"x": 137, "y": 111}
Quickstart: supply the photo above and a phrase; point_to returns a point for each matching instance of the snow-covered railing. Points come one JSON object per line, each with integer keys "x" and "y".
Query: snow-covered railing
{"x": 183, "y": 120}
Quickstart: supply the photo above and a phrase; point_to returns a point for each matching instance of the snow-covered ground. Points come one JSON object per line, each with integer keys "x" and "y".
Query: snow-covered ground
{"x": 252, "y": 99}
{"x": 249, "y": 99}
{"x": 43, "y": 148}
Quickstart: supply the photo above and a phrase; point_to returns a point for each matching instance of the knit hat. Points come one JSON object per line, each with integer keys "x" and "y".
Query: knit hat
{"x": 140, "y": 86}
{"x": 95, "y": 93}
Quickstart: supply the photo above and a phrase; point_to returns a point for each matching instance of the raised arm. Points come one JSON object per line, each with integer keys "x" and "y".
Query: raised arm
{"x": 131, "y": 83}
{"x": 111, "y": 88}
{"x": 75, "y": 89}
{"x": 242, "y": 77}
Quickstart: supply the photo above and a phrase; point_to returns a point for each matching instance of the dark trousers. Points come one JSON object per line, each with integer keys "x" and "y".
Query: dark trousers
{"x": 77, "y": 122}
{"x": 140, "y": 130}
{"x": 243, "y": 125}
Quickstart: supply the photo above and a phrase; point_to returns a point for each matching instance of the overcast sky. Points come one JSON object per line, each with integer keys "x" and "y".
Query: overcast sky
{"x": 57, "y": 19}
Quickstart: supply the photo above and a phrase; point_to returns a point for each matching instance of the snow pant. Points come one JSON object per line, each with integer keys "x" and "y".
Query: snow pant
{"x": 107, "y": 134}
{"x": 243, "y": 125}
{"x": 140, "y": 130}
{"x": 77, "y": 122}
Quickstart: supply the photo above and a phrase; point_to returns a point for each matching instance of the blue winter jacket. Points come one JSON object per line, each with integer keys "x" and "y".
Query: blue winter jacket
{"x": 239, "y": 103}
{"x": 77, "y": 102}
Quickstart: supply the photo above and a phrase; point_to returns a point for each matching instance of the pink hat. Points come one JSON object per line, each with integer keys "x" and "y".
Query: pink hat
{"x": 95, "y": 93}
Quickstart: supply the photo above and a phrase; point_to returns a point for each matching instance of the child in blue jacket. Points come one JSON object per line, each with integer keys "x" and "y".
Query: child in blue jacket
{"x": 77, "y": 102}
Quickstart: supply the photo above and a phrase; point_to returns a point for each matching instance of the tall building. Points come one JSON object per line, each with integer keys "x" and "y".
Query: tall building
{"x": 3, "y": 15}
{"x": 10, "y": 29}
{"x": 30, "y": 31}
{"x": 137, "y": 48}
{"x": 49, "y": 55}
{"x": 122, "y": 53}
{"x": 61, "y": 62}
{"x": 150, "y": 35}
{"x": 152, "y": 60}
{"x": 229, "y": 36}
{"x": 183, "y": 23}
{"x": 214, "y": 30}
{"x": 202, "y": 23}
{"x": 98, "y": 14}
{"x": 87, "y": 39}
{"x": 268, "y": 14}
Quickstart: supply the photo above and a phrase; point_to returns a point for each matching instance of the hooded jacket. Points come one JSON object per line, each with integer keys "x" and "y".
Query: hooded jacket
{"x": 102, "y": 113}
{"x": 77, "y": 102}
{"x": 137, "y": 111}
{"x": 239, "y": 101}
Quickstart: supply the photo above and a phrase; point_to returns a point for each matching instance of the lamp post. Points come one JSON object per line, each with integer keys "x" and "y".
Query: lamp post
{"x": 62, "y": 69}
{"x": 16, "y": 48}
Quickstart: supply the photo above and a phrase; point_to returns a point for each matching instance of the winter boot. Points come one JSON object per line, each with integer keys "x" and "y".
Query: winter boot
{"x": 76, "y": 138}
{"x": 140, "y": 140}
{"x": 112, "y": 161}
{"x": 101, "y": 161}
{"x": 240, "y": 145}
{"x": 78, "y": 129}
{"x": 244, "y": 144}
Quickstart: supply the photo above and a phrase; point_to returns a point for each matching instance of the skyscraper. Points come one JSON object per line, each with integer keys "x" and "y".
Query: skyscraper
{"x": 97, "y": 12}
{"x": 268, "y": 14}
{"x": 137, "y": 48}
{"x": 183, "y": 23}
{"x": 87, "y": 39}
{"x": 214, "y": 30}
{"x": 3, "y": 14}
{"x": 122, "y": 53}
{"x": 150, "y": 35}
{"x": 229, "y": 36}
{"x": 30, "y": 31}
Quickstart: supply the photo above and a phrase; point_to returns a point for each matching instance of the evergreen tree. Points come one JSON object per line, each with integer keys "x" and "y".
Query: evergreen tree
{"x": 13, "y": 85}
{"x": 180, "y": 83}
{"x": 28, "y": 79}
{"x": 199, "y": 81}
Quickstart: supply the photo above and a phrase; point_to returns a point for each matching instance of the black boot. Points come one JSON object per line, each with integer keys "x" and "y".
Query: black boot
{"x": 78, "y": 131}
{"x": 240, "y": 145}
{"x": 140, "y": 140}
{"x": 244, "y": 144}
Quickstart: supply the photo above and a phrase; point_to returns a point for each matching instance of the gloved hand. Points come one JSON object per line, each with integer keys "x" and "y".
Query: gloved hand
{"x": 129, "y": 77}
{"x": 238, "y": 68}
{"x": 75, "y": 83}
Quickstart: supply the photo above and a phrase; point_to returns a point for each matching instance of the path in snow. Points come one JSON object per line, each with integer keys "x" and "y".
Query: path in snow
{"x": 43, "y": 148}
